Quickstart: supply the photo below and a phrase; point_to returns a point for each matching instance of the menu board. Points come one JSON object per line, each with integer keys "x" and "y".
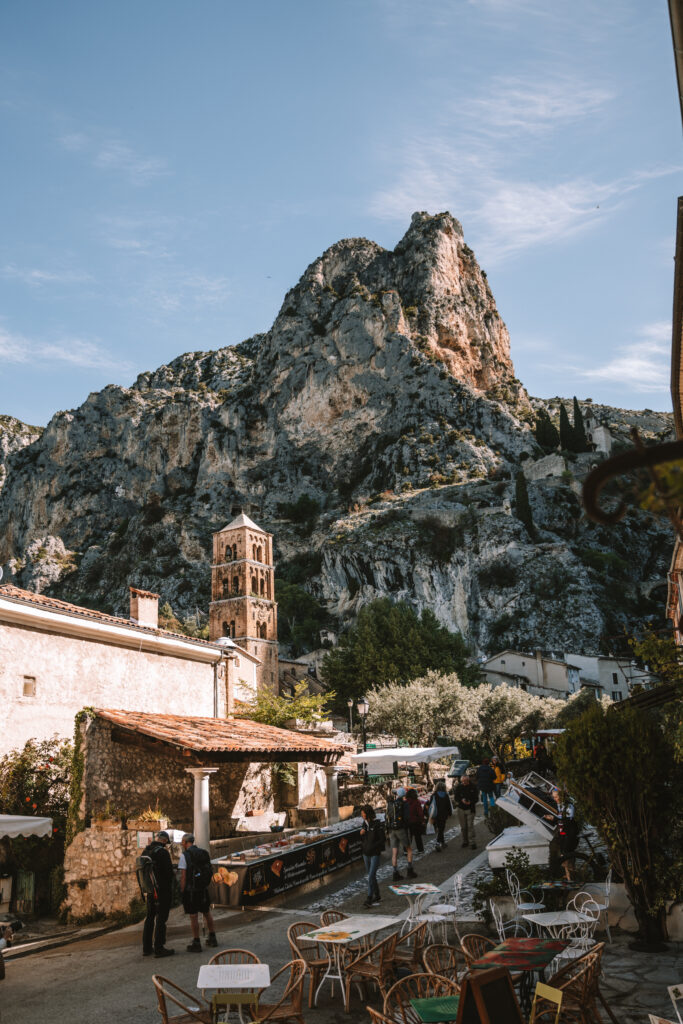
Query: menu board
{"x": 286, "y": 869}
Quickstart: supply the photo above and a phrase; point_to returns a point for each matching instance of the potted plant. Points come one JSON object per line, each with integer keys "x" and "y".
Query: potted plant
{"x": 153, "y": 819}
{"x": 108, "y": 819}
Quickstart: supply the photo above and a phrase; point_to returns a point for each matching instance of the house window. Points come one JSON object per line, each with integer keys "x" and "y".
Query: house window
{"x": 29, "y": 686}
{"x": 615, "y": 679}
{"x": 616, "y": 695}
{"x": 502, "y": 661}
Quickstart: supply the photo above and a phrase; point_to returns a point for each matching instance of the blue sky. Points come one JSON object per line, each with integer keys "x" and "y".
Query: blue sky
{"x": 170, "y": 169}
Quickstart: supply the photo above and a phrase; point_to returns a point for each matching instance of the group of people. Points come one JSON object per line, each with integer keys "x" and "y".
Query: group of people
{"x": 156, "y": 875}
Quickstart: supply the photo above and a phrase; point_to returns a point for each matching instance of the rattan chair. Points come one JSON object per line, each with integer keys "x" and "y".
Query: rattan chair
{"x": 397, "y": 1005}
{"x": 444, "y": 960}
{"x": 329, "y": 917}
{"x": 379, "y": 1018}
{"x": 409, "y": 948}
{"x": 194, "y": 1008}
{"x": 589, "y": 991}
{"x": 375, "y": 964}
{"x": 474, "y": 946}
{"x": 310, "y": 952}
{"x": 288, "y": 1006}
{"x": 233, "y": 956}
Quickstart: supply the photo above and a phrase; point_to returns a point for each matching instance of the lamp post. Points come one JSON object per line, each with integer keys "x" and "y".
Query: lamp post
{"x": 362, "y": 708}
{"x": 349, "y": 705}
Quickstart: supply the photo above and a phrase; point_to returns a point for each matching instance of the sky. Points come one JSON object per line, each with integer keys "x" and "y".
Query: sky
{"x": 170, "y": 169}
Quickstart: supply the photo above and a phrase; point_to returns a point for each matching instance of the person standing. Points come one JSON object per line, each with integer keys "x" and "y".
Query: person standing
{"x": 567, "y": 832}
{"x": 416, "y": 819}
{"x": 158, "y": 897}
{"x": 440, "y": 810}
{"x": 498, "y": 776}
{"x": 485, "y": 780}
{"x": 465, "y": 797}
{"x": 399, "y": 836}
{"x": 372, "y": 843}
{"x": 195, "y": 875}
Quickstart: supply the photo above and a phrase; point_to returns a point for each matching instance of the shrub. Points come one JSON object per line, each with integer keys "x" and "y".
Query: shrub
{"x": 501, "y": 573}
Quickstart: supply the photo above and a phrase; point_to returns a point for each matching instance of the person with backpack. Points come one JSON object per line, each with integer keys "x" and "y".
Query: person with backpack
{"x": 440, "y": 810}
{"x": 485, "y": 783}
{"x": 465, "y": 799}
{"x": 195, "y": 870}
{"x": 399, "y": 835}
{"x": 416, "y": 819}
{"x": 372, "y": 843}
{"x": 154, "y": 869}
{"x": 567, "y": 832}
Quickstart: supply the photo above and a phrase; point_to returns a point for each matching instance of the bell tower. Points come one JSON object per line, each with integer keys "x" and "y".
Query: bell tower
{"x": 243, "y": 594}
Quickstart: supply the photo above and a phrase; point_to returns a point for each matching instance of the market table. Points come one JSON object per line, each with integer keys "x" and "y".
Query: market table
{"x": 522, "y": 956}
{"x": 555, "y": 920}
{"x": 415, "y": 893}
{"x": 436, "y": 1010}
{"x": 337, "y": 936}
{"x": 242, "y": 982}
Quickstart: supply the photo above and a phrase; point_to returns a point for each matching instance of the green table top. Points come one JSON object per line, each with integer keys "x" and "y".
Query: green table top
{"x": 436, "y": 1009}
{"x": 520, "y": 955}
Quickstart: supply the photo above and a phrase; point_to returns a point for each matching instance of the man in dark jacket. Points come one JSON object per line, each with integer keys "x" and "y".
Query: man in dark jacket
{"x": 158, "y": 904}
{"x": 486, "y": 778}
{"x": 440, "y": 810}
{"x": 195, "y": 893}
{"x": 399, "y": 833}
{"x": 372, "y": 843}
{"x": 465, "y": 799}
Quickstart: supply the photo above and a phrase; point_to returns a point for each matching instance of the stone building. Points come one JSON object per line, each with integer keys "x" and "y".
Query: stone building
{"x": 243, "y": 594}
{"x": 58, "y": 657}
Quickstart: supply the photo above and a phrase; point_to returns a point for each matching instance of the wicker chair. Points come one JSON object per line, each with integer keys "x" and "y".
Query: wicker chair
{"x": 474, "y": 946}
{"x": 378, "y": 1018}
{"x": 316, "y": 960}
{"x": 233, "y": 956}
{"x": 409, "y": 948}
{"x": 194, "y": 1007}
{"x": 397, "y": 1005}
{"x": 375, "y": 964}
{"x": 329, "y": 917}
{"x": 288, "y": 1006}
{"x": 444, "y": 960}
{"x": 585, "y": 992}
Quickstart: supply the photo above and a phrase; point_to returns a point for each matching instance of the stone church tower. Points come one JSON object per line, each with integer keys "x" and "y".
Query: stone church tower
{"x": 243, "y": 594}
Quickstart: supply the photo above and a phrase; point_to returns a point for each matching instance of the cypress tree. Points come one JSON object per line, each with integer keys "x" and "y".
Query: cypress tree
{"x": 580, "y": 439}
{"x": 566, "y": 431}
{"x": 545, "y": 431}
{"x": 522, "y": 506}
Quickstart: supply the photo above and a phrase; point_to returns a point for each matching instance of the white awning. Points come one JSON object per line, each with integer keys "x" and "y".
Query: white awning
{"x": 381, "y": 762}
{"x": 14, "y": 825}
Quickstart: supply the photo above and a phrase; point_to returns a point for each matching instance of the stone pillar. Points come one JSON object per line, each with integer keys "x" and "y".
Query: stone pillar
{"x": 202, "y": 829}
{"x": 332, "y": 794}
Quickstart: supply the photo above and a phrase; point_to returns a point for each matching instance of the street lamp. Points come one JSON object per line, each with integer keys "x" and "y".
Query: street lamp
{"x": 362, "y": 708}
{"x": 349, "y": 705}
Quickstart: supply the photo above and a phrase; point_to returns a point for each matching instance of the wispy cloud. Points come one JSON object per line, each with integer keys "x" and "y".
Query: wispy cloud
{"x": 516, "y": 104}
{"x": 644, "y": 365}
{"x": 140, "y": 236}
{"x": 38, "y": 276}
{"x": 183, "y": 289}
{"x": 114, "y": 154}
{"x": 77, "y": 352}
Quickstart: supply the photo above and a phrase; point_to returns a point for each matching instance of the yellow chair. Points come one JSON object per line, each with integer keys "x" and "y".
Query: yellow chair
{"x": 548, "y": 995}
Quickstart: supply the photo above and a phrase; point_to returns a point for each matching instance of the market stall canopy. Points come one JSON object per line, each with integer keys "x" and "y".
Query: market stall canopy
{"x": 381, "y": 762}
{"x": 14, "y": 825}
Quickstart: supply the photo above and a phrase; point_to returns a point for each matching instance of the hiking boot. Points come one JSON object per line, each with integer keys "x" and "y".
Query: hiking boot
{"x": 376, "y": 899}
{"x": 195, "y": 946}
{"x": 147, "y": 952}
{"x": 367, "y": 903}
{"x": 411, "y": 873}
{"x": 438, "y": 847}
{"x": 163, "y": 952}
{"x": 397, "y": 875}
{"x": 212, "y": 940}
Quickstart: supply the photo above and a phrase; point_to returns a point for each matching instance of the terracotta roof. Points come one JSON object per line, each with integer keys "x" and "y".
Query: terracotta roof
{"x": 142, "y": 593}
{"x": 55, "y": 605}
{"x": 224, "y": 736}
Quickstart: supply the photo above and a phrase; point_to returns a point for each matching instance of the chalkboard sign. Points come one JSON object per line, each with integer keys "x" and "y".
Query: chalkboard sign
{"x": 488, "y": 997}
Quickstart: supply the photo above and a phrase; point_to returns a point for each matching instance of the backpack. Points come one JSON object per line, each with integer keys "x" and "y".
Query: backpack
{"x": 144, "y": 870}
{"x": 396, "y": 810}
{"x": 199, "y": 870}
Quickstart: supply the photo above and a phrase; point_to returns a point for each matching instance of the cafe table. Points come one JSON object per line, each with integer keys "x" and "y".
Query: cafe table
{"x": 557, "y": 889}
{"x": 523, "y": 957}
{"x": 554, "y": 921}
{"x": 436, "y": 1010}
{"x": 236, "y": 984}
{"x": 338, "y": 936}
{"x": 415, "y": 893}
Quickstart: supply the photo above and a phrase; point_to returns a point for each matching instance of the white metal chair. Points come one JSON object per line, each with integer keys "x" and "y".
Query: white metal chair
{"x": 600, "y": 892}
{"x": 506, "y": 928}
{"x": 523, "y": 899}
{"x": 580, "y": 935}
{"x": 447, "y": 909}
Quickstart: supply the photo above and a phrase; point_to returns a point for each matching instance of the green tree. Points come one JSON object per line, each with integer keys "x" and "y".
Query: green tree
{"x": 580, "y": 439}
{"x": 522, "y": 506}
{"x": 620, "y": 766}
{"x": 546, "y": 432}
{"x": 300, "y": 617}
{"x": 271, "y": 709}
{"x": 389, "y": 643}
{"x": 566, "y": 431}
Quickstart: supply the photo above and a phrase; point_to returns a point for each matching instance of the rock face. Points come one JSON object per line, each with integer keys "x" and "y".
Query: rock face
{"x": 14, "y": 435}
{"x": 385, "y": 396}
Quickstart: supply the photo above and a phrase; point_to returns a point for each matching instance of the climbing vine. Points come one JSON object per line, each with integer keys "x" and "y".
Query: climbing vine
{"x": 75, "y": 823}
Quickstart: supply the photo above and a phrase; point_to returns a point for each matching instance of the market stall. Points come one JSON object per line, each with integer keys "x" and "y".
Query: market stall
{"x": 251, "y": 876}
{"x": 386, "y": 760}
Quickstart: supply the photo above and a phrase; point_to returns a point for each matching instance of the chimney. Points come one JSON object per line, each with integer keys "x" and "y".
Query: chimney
{"x": 144, "y": 607}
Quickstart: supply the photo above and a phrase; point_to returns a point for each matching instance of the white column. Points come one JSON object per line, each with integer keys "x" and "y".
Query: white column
{"x": 332, "y": 794}
{"x": 202, "y": 830}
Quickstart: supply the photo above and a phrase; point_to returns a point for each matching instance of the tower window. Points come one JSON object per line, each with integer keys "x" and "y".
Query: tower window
{"x": 234, "y": 552}
{"x": 226, "y": 588}
{"x": 29, "y": 686}
{"x": 254, "y": 585}
{"x": 232, "y": 629}
{"x": 253, "y": 551}
{"x": 258, "y": 554}
{"x": 235, "y": 584}
{"x": 225, "y": 629}
{"x": 263, "y": 587}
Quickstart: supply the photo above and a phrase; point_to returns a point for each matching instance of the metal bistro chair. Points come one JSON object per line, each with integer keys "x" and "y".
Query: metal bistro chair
{"x": 522, "y": 905}
{"x": 288, "y": 1006}
{"x": 448, "y": 909}
{"x": 580, "y": 935}
{"x": 600, "y": 891}
{"x": 194, "y": 1008}
{"x": 504, "y": 928}
{"x": 444, "y": 960}
{"x": 309, "y": 951}
{"x": 220, "y": 998}
{"x": 397, "y": 1005}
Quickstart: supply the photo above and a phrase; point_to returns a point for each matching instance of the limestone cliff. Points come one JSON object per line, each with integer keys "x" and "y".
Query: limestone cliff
{"x": 385, "y": 393}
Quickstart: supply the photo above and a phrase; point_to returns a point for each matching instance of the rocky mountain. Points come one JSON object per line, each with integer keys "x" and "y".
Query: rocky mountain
{"x": 14, "y": 435}
{"x": 376, "y": 430}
